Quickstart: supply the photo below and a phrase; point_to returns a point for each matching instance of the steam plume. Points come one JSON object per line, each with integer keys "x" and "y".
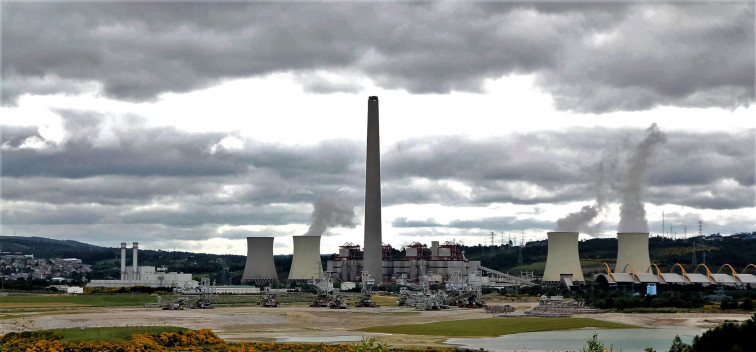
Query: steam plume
{"x": 632, "y": 212}
{"x": 327, "y": 213}
{"x": 580, "y": 221}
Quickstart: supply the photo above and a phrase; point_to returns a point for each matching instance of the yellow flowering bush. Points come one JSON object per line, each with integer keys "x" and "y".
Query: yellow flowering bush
{"x": 203, "y": 340}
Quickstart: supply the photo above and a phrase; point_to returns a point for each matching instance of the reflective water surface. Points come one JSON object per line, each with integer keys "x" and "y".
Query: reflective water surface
{"x": 625, "y": 340}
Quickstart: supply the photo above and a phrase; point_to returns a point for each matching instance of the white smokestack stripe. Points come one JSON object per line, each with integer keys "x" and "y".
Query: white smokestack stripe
{"x": 632, "y": 248}
{"x": 306, "y": 264}
{"x": 260, "y": 266}
{"x": 563, "y": 257}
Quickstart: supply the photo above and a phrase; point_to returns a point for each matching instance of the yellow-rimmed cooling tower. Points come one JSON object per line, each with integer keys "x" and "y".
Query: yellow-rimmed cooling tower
{"x": 563, "y": 257}
{"x": 632, "y": 249}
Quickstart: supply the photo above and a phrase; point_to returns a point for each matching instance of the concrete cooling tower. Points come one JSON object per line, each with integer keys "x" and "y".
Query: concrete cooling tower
{"x": 306, "y": 264}
{"x": 260, "y": 267}
{"x": 632, "y": 248}
{"x": 563, "y": 257}
{"x": 373, "y": 243}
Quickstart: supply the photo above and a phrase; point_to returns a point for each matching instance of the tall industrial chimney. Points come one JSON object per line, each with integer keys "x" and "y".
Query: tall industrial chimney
{"x": 632, "y": 248}
{"x": 563, "y": 257}
{"x": 123, "y": 260}
{"x": 260, "y": 267}
{"x": 373, "y": 261}
{"x": 306, "y": 264}
{"x": 135, "y": 267}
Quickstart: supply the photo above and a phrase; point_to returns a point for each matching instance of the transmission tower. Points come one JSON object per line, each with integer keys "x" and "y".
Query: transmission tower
{"x": 663, "y": 233}
{"x": 522, "y": 243}
{"x": 492, "y": 243}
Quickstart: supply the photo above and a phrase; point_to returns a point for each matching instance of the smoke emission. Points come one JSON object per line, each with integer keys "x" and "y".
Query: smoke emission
{"x": 328, "y": 213}
{"x": 581, "y": 221}
{"x": 632, "y": 212}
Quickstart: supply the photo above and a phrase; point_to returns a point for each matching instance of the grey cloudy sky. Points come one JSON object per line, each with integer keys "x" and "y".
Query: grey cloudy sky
{"x": 193, "y": 125}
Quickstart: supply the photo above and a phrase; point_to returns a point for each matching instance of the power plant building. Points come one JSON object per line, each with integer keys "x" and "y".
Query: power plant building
{"x": 306, "y": 264}
{"x": 375, "y": 258}
{"x": 260, "y": 267}
{"x": 562, "y": 260}
{"x": 439, "y": 262}
{"x": 145, "y": 275}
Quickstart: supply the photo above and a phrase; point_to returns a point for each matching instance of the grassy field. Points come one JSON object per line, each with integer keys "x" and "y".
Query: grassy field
{"x": 588, "y": 265}
{"x": 384, "y": 301}
{"x": 55, "y": 301}
{"x": 495, "y": 326}
{"x": 111, "y": 333}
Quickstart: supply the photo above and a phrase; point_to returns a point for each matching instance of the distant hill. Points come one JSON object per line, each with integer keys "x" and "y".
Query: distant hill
{"x": 738, "y": 251}
{"x": 48, "y": 248}
{"x": 106, "y": 261}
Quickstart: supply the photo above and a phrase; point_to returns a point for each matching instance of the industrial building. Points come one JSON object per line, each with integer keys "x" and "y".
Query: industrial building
{"x": 563, "y": 260}
{"x": 145, "y": 275}
{"x": 682, "y": 278}
{"x": 438, "y": 262}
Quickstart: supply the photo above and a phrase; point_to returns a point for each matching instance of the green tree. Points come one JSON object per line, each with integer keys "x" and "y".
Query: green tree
{"x": 747, "y": 304}
{"x": 679, "y": 346}
{"x": 594, "y": 345}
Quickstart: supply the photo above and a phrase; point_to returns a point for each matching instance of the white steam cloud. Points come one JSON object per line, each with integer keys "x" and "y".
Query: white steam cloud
{"x": 632, "y": 212}
{"x": 581, "y": 221}
{"x": 327, "y": 213}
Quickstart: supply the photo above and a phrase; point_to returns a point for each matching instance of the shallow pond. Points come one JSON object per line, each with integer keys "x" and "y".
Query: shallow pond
{"x": 625, "y": 340}
{"x": 319, "y": 339}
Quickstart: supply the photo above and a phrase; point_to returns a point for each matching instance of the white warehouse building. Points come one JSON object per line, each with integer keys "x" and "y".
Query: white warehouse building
{"x": 145, "y": 275}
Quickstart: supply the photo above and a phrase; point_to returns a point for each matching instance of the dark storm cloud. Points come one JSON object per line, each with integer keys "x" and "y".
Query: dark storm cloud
{"x": 590, "y": 57}
{"x": 507, "y": 223}
{"x": 558, "y": 167}
{"x": 15, "y": 136}
{"x": 164, "y": 179}
{"x": 403, "y": 222}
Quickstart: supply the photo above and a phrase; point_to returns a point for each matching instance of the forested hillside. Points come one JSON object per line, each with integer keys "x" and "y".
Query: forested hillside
{"x": 738, "y": 251}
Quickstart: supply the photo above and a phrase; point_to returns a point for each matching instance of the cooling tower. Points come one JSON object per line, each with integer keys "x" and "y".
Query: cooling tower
{"x": 123, "y": 260}
{"x": 306, "y": 264}
{"x": 563, "y": 257}
{"x": 632, "y": 248}
{"x": 372, "y": 248}
{"x": 260, "y": 266}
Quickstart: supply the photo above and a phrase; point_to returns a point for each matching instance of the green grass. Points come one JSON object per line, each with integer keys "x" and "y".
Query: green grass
{"x": 384, "y": 301}
{"x": 81, "y": 300}
{"x": 495, "y": 326}
{"x": 536, "y": 268}
{"x": 111, "y": 333}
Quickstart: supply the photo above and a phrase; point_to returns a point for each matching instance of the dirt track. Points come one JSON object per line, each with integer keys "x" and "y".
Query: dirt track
{"x": 269, "y": 324}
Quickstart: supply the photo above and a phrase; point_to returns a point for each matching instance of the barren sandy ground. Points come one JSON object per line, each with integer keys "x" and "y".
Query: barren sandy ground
{"x": 269, "y": 324}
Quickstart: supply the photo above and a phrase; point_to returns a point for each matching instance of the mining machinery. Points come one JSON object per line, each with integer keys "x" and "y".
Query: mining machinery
{"x": 366, "y": 291}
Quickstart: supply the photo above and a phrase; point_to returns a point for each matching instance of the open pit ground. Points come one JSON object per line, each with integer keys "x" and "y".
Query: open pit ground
{"x": 255, "y": 323}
